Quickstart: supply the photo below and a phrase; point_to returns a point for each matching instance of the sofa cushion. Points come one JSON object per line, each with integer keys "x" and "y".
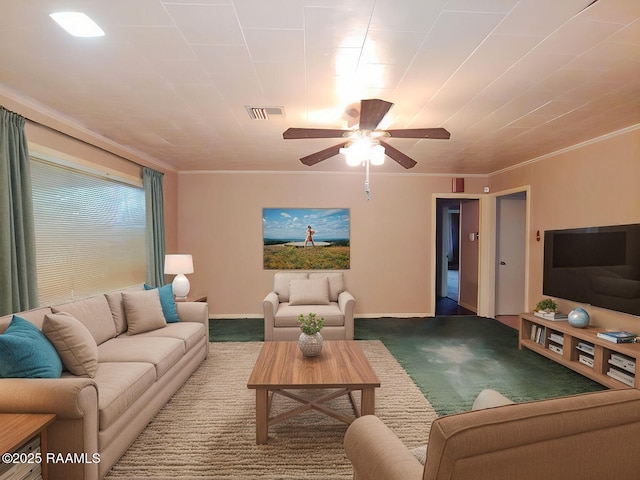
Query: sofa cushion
{"x": 162, "y": 352}
{"x": 287, "y": 314}
{"x": 26, "y": 353}
{"x": 281, "y": 283}
{"x": 189, "y": 332}
{"x": 336, "y": 283}
{"x": 167, "y": 301}
{"x": 144, "y": 311}
{"x": 119, "y": 386}
{"x": 95, "y": 314}
{"x": 35, "y": 316}
{"x": 73, "y": 342}
{"x": 489, "y": 398}
{"x": 309, "y": 292}
{"x": 114, "y": 299}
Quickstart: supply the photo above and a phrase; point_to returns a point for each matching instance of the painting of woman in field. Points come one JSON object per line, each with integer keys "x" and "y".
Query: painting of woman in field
{"x": 289, "y": 245}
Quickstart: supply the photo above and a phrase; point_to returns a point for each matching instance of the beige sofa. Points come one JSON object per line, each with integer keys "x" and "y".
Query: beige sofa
{"x": 295, "y": 293}
{"x": 583, "y": 437}
{"x": 141, "y": 362}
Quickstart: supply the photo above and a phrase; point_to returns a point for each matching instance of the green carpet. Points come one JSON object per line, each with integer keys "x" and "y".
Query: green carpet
{"x": 236, "y": 330}
{"x": 451, "y": 359}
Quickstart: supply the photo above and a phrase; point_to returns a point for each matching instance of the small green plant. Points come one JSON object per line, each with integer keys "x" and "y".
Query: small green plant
{"x": 310, "y": 324}
{"x": 546, "y": 305}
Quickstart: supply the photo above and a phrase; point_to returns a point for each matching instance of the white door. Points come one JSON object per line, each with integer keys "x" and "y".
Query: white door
{"x": 510, "y": 254}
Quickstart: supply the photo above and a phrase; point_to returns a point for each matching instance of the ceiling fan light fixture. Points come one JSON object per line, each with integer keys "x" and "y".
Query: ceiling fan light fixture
{"x": 358, "y": 152}
{"x": 351, "y": 156}
{"x": 376, "y": 155}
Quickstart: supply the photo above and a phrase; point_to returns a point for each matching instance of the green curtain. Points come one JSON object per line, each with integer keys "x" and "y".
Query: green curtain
{"x": 154, "y": 207}
{"x": 18, "y": 275}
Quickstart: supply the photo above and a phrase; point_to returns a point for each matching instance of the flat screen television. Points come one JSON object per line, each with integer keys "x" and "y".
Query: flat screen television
{"x": 596, "y": 265}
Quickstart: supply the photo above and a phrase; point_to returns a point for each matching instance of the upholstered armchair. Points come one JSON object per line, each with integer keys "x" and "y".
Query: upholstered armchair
{"x": 588, "y": 436}
{"x": 295, "y": 293}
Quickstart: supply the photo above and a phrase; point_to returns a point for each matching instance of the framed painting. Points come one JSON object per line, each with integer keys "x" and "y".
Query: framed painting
{"x": 306, "y": 238}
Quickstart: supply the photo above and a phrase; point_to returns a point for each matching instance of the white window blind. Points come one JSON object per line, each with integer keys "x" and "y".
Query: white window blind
{"x": 90, "y": 233}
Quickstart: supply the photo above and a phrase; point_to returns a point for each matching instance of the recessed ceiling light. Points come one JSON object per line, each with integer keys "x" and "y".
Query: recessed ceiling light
{"x": 77, "y": 24}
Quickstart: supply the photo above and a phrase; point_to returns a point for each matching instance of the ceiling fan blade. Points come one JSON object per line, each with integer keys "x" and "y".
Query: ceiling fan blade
{"x": 297, "y": 133}
{"x": 317, "y": 157}
{"x": 372, "y": 112}
{"x": 439, "y": 133}
{"x": 398, "y": 156}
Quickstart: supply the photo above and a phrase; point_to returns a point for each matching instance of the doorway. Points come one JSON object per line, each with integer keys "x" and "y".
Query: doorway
{"x": 511, "y": 244}
{"x": 456, "y": 286}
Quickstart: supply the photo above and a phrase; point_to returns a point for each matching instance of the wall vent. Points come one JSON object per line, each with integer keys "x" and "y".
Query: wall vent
{"x": 264, "y": 113}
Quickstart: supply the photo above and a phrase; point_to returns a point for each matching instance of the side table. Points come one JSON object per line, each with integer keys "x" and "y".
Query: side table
{"x": 193, "y": 298}
{"x": 17, "y": 429}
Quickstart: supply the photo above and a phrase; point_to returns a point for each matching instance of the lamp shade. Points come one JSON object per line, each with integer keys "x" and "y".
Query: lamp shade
{"x": 178, "y": 263}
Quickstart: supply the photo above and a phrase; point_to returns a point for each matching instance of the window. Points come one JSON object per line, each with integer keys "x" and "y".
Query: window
{"x": 90, "y": 233}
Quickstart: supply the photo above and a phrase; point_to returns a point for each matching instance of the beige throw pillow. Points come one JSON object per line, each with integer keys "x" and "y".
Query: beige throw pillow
{"x": 74, "y": 343}
{"x": 144, "y": 311}
{"x": 336, "y": 283}
{"x": 420, "y": 453}
{"x": 309, "y": 292}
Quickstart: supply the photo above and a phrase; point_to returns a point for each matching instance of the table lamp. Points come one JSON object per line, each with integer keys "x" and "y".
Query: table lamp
{"x": 179, "y": 264}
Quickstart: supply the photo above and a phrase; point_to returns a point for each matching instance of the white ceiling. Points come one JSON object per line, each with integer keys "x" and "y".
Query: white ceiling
{"x": 510, "y": 79}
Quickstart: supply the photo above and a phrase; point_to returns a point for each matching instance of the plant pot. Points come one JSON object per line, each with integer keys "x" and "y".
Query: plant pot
{"x": 310, "y": 345}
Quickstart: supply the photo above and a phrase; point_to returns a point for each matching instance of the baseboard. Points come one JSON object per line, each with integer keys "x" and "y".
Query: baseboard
{"x": 471, "y": 308}
{"x": 231, "y": 316}
{"x": 393, "y": 315}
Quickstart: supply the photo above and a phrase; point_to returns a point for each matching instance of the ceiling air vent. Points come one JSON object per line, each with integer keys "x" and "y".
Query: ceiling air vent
{"x": 264, "y": 113}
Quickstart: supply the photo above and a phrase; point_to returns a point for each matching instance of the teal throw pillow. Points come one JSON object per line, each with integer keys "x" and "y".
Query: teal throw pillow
{"x": 25, "y": 352}
{"x": 167, "y": 301}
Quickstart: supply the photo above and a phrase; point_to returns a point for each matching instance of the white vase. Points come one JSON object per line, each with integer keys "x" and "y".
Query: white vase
{"x": 311, "y": 345}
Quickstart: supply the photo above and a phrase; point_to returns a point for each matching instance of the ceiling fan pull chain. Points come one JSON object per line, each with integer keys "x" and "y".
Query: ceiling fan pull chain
{"x": 367, "y": 190}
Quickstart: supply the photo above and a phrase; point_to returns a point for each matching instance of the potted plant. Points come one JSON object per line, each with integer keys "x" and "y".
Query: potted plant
{"x": 310, "y": 340}
{"x": 546, "y": 305}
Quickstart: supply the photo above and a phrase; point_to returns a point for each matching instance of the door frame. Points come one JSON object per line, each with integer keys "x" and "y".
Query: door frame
{"x": 506, "y": 243}
{"x": 489, "y": 274}
{"x": 433, "y": 253}
{"x": 487, "y": 248}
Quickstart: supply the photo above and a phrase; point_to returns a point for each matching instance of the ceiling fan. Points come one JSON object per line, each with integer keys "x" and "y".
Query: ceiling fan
{"x": 371, "y": 114}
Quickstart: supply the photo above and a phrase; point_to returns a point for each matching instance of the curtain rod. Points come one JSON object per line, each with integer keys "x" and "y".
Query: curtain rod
{"x": 68, "y": 135}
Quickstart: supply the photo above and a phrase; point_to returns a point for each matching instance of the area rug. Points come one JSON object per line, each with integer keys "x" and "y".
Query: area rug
{"x": 207, "y": 430}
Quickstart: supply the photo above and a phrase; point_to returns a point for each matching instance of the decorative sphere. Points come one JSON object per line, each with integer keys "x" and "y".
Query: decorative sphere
{"x": 578, "y": 318}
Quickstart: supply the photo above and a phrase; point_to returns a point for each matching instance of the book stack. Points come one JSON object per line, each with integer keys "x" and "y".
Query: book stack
{"x": 586, "y": 353}
{"x": 538, "y": 334}
{"x": 618, "y": 337}
{"x": 553, "y": 316}
{"x": 28, "y": 468}
{"x": 623, "y": 368}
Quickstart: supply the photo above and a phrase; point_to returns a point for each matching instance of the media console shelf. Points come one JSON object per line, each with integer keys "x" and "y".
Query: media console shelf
{"x": 611, "y": 364}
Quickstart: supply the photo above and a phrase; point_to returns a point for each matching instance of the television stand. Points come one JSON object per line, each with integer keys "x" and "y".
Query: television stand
{"x": 610, "y": 364}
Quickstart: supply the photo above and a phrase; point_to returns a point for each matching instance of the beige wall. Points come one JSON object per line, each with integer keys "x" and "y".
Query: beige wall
{"x": 594, "y": 184}
{"x": 220, "y": 223}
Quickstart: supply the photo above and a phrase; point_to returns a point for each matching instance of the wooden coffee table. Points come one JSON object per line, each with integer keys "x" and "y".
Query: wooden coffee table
{"x": 341, "y": 367}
